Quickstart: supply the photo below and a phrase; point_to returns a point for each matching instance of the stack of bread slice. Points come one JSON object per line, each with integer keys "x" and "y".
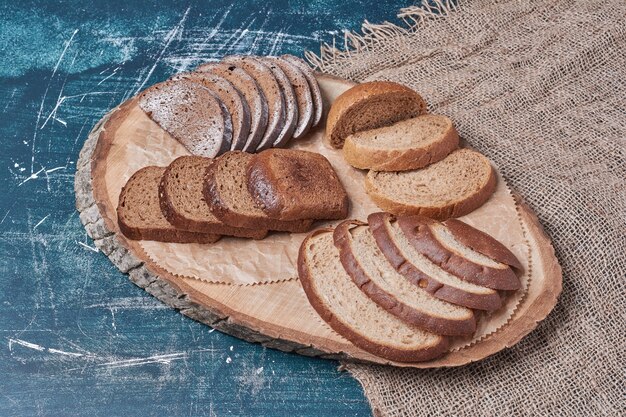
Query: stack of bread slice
{"x": 401, "y": 287}
{"x": 199, "y": 199}
{"x": 247, "y": 103}
{"x": 416, "y": 166}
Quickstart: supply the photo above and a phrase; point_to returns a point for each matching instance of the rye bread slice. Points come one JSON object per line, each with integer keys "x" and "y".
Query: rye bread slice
{"x": 271, "y": 90}
{"x": 304, "y": 99}
{"x": 420, "y": 271}
{"x": 232, "y": 99}
{"x": 192, "y": 114}
{"x": 226, "y": 192}
{"x": 291, "y": 104}
{"x": 433, "y": 240}
{"x": 369, "y": 106}
{"x": 292, "y": 184}
{"x": 452, "y": 187}
{"x": 407, "y": 144}
{"x": 253, "y": 95}
{"x": 316, "y": 92}
{"x": 182, "y": 200}
{"x": 376, "y": 277}
{"x": 352, "y": 314}
{"x": 139, "y": 215}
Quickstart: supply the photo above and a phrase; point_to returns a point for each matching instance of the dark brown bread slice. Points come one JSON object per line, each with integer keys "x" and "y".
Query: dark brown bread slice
{"x": 316, "y": 92}
{"x": 431, "y": 239}
{"x": 139, "y": 215}
{"x": 375, "y": 276}
{"x": 352, "y": 314}
{"x": 294, "y": 185}
{"x": 231, "y": 97}
{"x": 291, "y": 104}
{"x": 226, "y": 192}
{"x": 253, "y": 95}
{"x": 192, "y": 114}
{"x": 420, "y": 271}
{"x": 182, "y": 200}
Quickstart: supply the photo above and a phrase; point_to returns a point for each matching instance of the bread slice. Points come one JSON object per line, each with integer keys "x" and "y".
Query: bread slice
{"x": 304, "y": 98}
{"x": 433, "y": 240}
{"x": 369, "y": 106}
{"x": 352, "y": 314}
{"x": 226, "y": 192}
{"x": 291, "y": 104}
{"x": 232, "y": 99}
{"x": 370, "y": 270}
{"x": 139, "y": 215}
{"x": 192, "y": 114}
{"x": 407, "y": 144}
{"x": 182, "y": 200}
{"x": 253, "y": 95}
{"x": 420, "y": 271}
{"x": 272, "y": 92}
{"x": 452, "y": 187}
{"x": 316, "y": 92}
{"x": 294, "y": 185}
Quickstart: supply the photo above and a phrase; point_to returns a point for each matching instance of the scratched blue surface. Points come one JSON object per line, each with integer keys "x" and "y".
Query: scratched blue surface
{"x": 76, "y": 337}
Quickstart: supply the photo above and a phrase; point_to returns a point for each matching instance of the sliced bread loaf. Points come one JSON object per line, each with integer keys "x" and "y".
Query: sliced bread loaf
{"x": 293, "y": 185}
{"x": 452, "y": 187}
{"x": 407, "y": 144}
{"x": 226, "y": 192}
{"x": 352, "y": 314}
{"x": 139, "y": 215}
{"x": 433, "y": 240}
{"x": 374, "y": 275}
{"x": 420, "y": 271}
{"x": 182, "y": 200}
{"x": 316, "y": 92}
{"x": 291, "y": 104}
{"x": 369, "y": 106}
{"x": 192, "y": 114}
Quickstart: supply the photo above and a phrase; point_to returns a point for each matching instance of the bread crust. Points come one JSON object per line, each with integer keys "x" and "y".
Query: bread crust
{"x": 316, "y": 93}
{"x": 357, "y": 339}
{"x": 379, "y": 225}
{"x": 418, "y": 232}
{"x": 389, "y": 302}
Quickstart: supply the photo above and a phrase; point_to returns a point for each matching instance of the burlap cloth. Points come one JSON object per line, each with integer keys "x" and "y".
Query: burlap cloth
{"x": 539, "y": 87}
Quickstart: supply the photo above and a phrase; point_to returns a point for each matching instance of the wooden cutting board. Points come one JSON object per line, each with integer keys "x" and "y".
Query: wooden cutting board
{"x": 249, "y": 289}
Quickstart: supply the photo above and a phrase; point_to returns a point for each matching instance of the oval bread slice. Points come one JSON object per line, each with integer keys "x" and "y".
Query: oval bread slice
{"x": 420, "y": 271}
{"x": 316, "y": 92}
{"x": 352, "y": 314}
{"x": 291, "y": 104}
{"x": 408, "y": 144}
{"x": 452, "y": 187}
{"x": 370, "y": 271}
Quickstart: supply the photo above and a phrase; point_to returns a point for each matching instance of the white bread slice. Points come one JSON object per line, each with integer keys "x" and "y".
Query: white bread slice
{"x": 352, "y": 314}
{"x": 377, "y": 278}
{"x": 408, "y": 144}
{"x": 452, "y": 187}
{"x": 420, "y": 271}
{"x": 433, "y": 240}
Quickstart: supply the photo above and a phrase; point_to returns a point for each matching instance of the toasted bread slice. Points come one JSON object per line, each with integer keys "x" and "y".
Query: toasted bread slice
{"x": 182, "y": 200}
{"x": 420, "y": 271}
{"x": 370, "y": 271}
{"x": 139, "y": 215}
{"x": 407, "y": 144}
{"x": 352, "y": 314}
{"x": 316, "y": 92}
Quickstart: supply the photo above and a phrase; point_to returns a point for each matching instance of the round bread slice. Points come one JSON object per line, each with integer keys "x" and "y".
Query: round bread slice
{"x": 192, "y": 114}
{"x": 405, "y": 145}
{"x": 272, "y": 92}
{"x": 374, "y": 275}
{"x": 420, "y": 271}
{"x": 369, "y": 106}
{"x": 291, "y": 104}
{"x": 433, "y": 240}
{"x": 253, "y": 95}
{"x": 316, "y": 92}
{"x": 452, "y": 187}
{"x": 302, "y": 90}
{"x": 352, "y": 314}
{"x": 232, "y": 99}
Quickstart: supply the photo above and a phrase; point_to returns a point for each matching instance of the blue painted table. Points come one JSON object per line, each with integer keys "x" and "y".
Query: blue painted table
{"x": 76, "y": 337}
